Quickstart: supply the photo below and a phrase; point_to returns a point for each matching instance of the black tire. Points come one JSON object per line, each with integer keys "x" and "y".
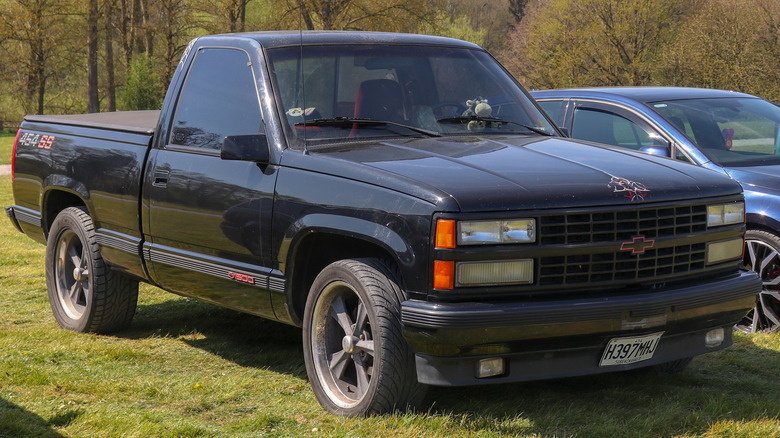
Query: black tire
{"x": 762, "y": 255}
{"x": 84, "y": 293}
{"x": 356, "y": 357}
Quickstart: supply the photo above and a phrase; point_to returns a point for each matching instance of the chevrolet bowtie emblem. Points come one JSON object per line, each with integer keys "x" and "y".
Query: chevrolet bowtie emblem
{"x": 638, "y": 245}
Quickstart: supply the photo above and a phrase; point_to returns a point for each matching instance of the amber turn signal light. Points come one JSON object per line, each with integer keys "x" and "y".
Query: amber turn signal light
{"x": 445, "y": 233}
{"x": 443, "y": 274}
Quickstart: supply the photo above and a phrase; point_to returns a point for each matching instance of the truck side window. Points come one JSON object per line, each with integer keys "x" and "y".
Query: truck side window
{"x": 219, "y": 98}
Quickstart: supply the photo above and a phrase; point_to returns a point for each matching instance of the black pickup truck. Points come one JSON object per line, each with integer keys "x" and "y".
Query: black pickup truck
{"x": 403, "y": 200}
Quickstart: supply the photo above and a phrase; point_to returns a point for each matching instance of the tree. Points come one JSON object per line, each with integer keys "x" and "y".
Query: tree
{"x": 729, "y": 44}
{"x": 387, "y": 15}
{"x": 517, "y": 9}
{"x": 593, "y": 42}
{"x": 109, "y": 48}
{"x": 39, "y": 49}
{"x": 93, "y": 101}
{"x": 224, "y": 15}
{"x": 175, "y": 25}
{"x": 142, "y": 90}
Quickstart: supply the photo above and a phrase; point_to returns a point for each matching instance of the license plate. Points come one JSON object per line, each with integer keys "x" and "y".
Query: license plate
{"x": 624, "y": 351}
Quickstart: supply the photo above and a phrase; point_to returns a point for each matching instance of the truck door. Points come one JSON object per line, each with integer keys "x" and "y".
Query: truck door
{"x": 206, "y": 220}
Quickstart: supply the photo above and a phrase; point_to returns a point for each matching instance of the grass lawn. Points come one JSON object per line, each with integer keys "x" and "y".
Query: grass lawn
{"x": 187, "y": 369}
{"x": 6, "y": 147}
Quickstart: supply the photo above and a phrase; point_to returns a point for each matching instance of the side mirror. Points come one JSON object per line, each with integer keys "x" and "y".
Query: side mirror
{"x": 252, "y": 147}
{"x": 564, "y": 131}
{"x": 662, "y": 148}
{"x": 659, "y": 150}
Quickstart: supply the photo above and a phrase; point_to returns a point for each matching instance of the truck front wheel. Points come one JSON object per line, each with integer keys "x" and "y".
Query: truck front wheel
{"x": 356, "y": 357}
{"x": 84, "y": 293}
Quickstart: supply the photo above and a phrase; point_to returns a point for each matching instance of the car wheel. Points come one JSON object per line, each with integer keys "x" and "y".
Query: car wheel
{"x": 84, "y": 293}
{"x": 762, "y": 255}
{"x": 356, "y": 357}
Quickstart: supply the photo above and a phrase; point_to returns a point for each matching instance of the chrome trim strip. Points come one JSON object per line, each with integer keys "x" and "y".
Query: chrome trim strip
{"x": 166, "y": 257}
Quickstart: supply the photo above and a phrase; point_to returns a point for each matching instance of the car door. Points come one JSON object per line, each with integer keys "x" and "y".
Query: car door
{"x": 208, "y": 219}
{"x": 613, "y": 125}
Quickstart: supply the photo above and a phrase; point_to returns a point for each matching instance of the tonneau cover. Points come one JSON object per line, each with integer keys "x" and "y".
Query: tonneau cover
{"x": 137, "y": 122}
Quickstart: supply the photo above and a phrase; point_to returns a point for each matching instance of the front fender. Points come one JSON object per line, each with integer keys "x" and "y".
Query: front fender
{"x": 361, "y": 229}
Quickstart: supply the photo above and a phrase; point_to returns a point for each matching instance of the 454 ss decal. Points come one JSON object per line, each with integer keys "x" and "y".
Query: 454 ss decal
{"x": 38, "y": 140}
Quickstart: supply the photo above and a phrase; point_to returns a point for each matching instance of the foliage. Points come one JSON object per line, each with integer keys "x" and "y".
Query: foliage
{"x": 731, "y": 44}
{"x": 41, "y": 60}
{"x": 142, "y": 90}
{"x": 387, "y": 15}
{"x": 593, "y": 42}
{"x": 546, "y": 43}
{"x": 459, "y": 28}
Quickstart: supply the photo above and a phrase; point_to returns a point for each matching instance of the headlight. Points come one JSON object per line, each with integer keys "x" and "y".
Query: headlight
{"x": 725, "y": 214}
{"x": 491, "y": 232}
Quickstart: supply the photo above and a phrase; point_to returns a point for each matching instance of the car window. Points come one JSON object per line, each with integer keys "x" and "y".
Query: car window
{"x": 217, "y": 100}
{"x": 610, "y": 128}
{"x": 552, "y": 108}
{"x": 730, "y": 130}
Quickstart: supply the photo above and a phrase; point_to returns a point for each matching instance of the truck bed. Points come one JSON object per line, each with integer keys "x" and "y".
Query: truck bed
{"x": 137, "y": 122}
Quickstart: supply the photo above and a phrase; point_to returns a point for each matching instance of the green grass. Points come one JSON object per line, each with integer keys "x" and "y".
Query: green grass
{"x": 187, "y": 369}
{"x": 6, "y": 147}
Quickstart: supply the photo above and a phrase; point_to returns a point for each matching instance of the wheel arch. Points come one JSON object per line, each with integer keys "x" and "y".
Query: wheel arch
{"x": 762, "y": 221}
{"x": 55, "y": 200}
{"x": 316, "y": 247}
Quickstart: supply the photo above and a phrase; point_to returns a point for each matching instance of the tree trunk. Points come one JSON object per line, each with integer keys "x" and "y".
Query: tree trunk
{"x": 110, "y": 80}
{"x": 148, "y": 29}
{"x": 304, "y": 15}
{"x": 136, "y": 28}
{"x": 93, "y": 101}
{"x": 41, "y": 75}
{"x": 127, "y": 30}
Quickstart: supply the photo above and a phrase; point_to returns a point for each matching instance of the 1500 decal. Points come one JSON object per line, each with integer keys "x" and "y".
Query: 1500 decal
{"x": 241, "y": 277}
{"x": 38, "y": 140}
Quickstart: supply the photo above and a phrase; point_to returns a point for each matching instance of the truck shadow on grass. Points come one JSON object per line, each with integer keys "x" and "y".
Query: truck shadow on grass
{"x": 246, "y": 340}
{"x": 731, "y": 390}
{"x": 19, "y": 423}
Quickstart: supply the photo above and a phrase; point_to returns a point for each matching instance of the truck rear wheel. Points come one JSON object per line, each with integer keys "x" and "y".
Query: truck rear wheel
{"x": 84, "y": 293}
{"x": 356, "y": 357}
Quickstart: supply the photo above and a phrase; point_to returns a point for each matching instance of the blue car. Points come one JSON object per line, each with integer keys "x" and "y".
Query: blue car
{"x": 729, "y": 132}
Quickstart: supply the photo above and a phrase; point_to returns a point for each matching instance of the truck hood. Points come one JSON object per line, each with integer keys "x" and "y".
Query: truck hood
{"x": 518, "y": 172}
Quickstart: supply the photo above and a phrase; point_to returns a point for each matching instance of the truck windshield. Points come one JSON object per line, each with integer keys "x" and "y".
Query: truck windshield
{"x": 333, "y": 93}
{"x": 731, "y": 131}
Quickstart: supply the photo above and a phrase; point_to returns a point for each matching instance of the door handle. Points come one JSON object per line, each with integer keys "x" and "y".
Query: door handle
{"x": 161, "y": 178}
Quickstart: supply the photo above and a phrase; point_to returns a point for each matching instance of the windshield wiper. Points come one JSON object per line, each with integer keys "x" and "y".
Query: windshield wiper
{"x": 347, "y": 121}
{"x": 458, "y": 119}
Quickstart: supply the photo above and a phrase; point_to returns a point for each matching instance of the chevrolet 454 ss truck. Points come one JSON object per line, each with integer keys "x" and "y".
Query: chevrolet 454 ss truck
{"x": 399, "y": 197}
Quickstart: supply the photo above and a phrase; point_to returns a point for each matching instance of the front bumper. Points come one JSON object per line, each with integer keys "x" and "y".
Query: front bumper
{"x": 546, "y": 339}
